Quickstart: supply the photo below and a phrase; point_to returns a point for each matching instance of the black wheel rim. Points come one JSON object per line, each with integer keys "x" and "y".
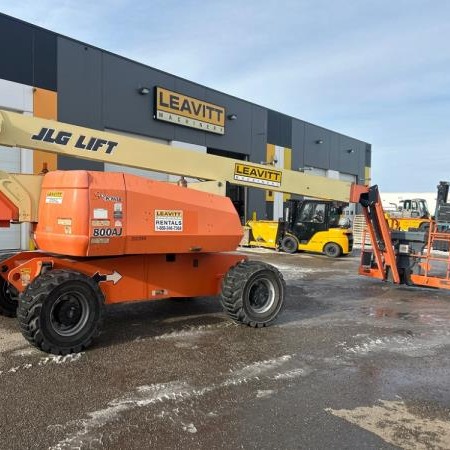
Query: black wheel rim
{"x": 332, "y": 250}
{"x": 290, "y": 244}
{"x": 69, "y": 313}
{"x": 261, "y": 293}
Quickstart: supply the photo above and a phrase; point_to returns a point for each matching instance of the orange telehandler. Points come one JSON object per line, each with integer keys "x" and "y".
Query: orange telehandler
{"x": 404, "y": 257}
{"x": 105, "y": 238}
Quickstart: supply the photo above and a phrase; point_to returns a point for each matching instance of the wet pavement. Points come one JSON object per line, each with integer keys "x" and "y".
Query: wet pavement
{"x": 351, "y": 363}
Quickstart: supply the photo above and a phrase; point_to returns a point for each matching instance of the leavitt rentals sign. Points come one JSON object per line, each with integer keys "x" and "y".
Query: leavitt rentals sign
{"x": 189, "y": 112}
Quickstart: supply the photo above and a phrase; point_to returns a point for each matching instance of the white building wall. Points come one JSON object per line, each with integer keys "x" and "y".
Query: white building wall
{"x": 278, "y": 212}
{"x": 19, "y": 98}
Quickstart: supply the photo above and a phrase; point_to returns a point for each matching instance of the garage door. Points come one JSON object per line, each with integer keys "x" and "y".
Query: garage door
{"x": 10, "y": 162}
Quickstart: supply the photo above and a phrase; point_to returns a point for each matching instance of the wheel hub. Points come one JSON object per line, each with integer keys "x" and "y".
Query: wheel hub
{"x": 261, "y": 295}
{"x": 69, "y": 314}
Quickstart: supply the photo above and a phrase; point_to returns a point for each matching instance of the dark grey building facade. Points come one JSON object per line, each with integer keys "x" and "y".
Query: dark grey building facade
{"x": 101, "y": 90}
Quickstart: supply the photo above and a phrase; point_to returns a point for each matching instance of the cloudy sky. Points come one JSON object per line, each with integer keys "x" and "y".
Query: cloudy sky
{"x": 377, "y": 70}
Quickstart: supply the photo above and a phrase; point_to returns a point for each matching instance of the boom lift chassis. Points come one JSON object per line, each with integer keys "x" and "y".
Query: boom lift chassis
{"x": 59, "y": 292}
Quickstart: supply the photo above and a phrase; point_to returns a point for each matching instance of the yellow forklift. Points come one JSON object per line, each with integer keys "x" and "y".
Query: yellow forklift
{"x": 410, "y": 213}
{"x": 309, "y": 225}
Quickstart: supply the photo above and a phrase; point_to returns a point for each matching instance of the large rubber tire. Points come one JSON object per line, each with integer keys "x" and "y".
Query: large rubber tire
{"x": 253, "y": 293}
{"x": 332, "y": 250}
{"x": 61, "y": 312}
{"x": 8, "y": 299}
{"x": 289, "y": 244}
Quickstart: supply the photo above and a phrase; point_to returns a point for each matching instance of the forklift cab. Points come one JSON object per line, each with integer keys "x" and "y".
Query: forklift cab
{"x": 304, "y": 218}
{"x": 314, "y": 226}
{"x": 416, "y": 207}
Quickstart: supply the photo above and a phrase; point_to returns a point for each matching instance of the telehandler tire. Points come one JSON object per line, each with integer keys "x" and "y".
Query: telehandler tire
{"x": 61, "y": 312}
{"x": 8, "y": 299}
{"x": 289, "y": 244}
{"x": 253, "y": 293}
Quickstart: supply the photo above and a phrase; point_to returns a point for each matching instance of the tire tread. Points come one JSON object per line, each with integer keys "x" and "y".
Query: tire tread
{"x": 30, "y": 305}
{"x": 233, "y": 286}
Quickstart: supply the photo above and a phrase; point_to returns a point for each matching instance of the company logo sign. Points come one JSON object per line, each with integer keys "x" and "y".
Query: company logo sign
{"x": 62, "y": 137}
{"x": 188, "y": 111}
{"x": 257, "y": 175}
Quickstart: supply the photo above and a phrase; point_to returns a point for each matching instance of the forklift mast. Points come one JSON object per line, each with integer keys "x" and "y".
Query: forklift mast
{"x": 442, "y": 206}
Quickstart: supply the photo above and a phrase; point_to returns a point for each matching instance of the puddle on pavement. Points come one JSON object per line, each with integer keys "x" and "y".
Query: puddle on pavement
{"x": 439, "y": 318}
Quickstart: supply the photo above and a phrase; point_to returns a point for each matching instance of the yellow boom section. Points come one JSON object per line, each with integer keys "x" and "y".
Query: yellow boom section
{"x": 17, "y": 130}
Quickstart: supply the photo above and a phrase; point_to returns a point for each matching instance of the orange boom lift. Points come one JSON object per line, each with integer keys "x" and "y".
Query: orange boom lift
{"x": 112, "y": 237}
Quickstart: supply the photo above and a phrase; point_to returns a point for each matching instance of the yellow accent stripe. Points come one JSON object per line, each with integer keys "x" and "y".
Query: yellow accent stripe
{"x": 367, "y": 175}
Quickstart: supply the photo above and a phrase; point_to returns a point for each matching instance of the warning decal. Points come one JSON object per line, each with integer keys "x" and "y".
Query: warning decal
{"x": 54, "y": 197}
{"x": 168, "y": 220}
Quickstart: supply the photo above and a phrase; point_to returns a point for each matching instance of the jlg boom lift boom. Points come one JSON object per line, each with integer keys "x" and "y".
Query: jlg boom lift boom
{"x": 113, "y": 237}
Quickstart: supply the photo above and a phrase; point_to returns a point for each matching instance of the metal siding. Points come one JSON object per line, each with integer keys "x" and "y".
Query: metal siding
{"x": 17, "y": 51}
{"x": 349, "y": 161}
{"x": 17, "y": 97}
{"x": 124, "y": 107}
{"x": 80, "y": 84}
{"x": 256, "y": 198}
{"x": 257, "y": 203}
{"x": 238, "y": 133}
{"x": 28, "y": 54}
{"x": 45, "y": 62}
{"x": 10, "y": 162}
{"x": 258, "y": 147}
{"x": 79, "y": 93}
{"x": 298, "y": 144}
{"x": 368, "y": 157}
{"x": 334, "y": 150}
{"x": 317, "y": 155}
{"x": 279, "y": 129}
{"x": 68, "y": 163}
{"x": 10, "y": 159}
